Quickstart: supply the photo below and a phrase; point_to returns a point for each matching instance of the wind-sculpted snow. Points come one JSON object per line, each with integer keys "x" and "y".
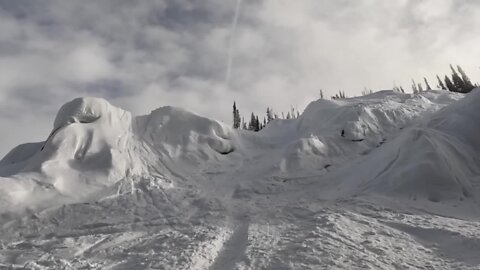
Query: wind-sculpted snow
{"x": 384, "y": 181}
{"x": 180, "y": 134}
{"x": 435, "y": 160}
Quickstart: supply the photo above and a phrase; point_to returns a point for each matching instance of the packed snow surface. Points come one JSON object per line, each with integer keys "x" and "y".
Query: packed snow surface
{"x": 384, "y": 181}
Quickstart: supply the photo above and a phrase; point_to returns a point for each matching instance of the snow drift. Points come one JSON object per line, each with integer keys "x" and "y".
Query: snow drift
{"x": 177, "y": 133}
{"x": 436, "y": 159}
{"x": 94, "y": 145}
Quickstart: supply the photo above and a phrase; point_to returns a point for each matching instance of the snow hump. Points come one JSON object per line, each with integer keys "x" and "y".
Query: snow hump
{"x": 81, "y": 110}
{"x": 178, "y": 132}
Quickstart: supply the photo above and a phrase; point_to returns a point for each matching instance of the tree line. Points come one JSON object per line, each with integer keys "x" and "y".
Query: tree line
{"x": 255, "y": 123}
{"x": 458, "y": 82}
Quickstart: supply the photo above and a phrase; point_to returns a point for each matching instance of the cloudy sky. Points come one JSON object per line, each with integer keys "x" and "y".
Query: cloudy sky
{"x": 144, "y": 54}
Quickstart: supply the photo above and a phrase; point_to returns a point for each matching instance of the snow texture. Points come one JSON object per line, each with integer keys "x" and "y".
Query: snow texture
{"x": 384, "y": 181}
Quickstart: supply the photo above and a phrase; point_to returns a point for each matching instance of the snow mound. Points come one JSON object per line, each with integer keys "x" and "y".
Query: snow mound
{"x": 81, "y": 110}
{"x": 87, "y": 150}
{"x": 435, "y": 160}
{"x": 359, "y": 119}
{"x": 347, "y": 128}
{"x": 95, "y": 146}
{"x": 179, "y": 134}
{"x": 305, "y": 153}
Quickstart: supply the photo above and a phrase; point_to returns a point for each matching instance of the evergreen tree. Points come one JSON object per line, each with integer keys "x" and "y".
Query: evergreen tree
{"x": 251, "y": 124}
{"x": 244, "y": 126}
{"x": 321, "y": 94}
{"x": 458, "y": 83}
{"x": 292, "y": 112}
{"x": 449, "y": 84}
{"x": 257, "y": 124}
{"x": 236, "y": 116}
{"x": 402, "y": 90}
{"x": 269, "y": 115}
{"x": 340, "y": 95}
{"x": 420, "y": 88}
{"x": 427, "y": 85}
{"x": 468, "y": 86}
{"x": 414, "y": 87}
{"x": 364, "y": 91}
{"x": 440, "y": 84}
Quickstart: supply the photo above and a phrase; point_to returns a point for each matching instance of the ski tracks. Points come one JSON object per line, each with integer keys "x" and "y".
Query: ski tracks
{"x": 233, "y": 252}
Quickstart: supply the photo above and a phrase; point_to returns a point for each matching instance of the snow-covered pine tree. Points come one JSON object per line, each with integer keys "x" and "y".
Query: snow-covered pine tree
{"x": 457, "y": 81}
{"x": 251, "y": 124}
{"x": 440, "y": 84}
{"x": 257, "y": 124}
{"x": 449, "y": 84}
{"x": 292, "y": 112}
{"x": 236, "y": 116}
{"x": 414, "y": 87}
{"x": 427, "y": 85}
{"x": 468, "y": 86}
{"x": 269, "y": 115}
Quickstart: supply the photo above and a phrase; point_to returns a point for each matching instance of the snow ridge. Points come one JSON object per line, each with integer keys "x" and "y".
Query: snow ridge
{"x": 352, "y": 183}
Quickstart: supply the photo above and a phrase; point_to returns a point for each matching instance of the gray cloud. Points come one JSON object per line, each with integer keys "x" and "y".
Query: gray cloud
{"x": 145, "y": 54}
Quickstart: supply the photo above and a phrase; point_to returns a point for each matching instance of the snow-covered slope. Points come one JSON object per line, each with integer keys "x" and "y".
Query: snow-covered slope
{"x": 379, "y": 181}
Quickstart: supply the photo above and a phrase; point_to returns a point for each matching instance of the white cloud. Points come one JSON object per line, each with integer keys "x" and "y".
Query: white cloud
{"x": 87, "y": 63}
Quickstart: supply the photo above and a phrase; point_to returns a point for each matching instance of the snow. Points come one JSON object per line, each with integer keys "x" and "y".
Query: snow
{"x": 384, "y": 181}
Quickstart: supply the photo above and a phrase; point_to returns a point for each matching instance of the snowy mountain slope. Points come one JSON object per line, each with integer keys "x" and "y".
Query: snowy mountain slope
{"x": 434, "y": 161}
{"x": 372, "y": 182}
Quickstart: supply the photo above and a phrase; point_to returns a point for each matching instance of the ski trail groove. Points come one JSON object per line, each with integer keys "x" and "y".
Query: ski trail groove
{"x": 234, "y": 248}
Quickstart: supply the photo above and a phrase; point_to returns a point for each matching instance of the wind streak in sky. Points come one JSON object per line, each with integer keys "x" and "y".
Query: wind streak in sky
{"x": 230, "y": 41}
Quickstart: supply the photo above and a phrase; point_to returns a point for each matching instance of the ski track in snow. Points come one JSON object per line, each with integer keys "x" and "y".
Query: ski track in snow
{"x": 293, "y": 196}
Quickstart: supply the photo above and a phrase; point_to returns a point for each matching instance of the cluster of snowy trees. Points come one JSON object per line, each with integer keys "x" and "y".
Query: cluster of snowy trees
{"x": 457, "y": 82}
{"x": 340, "y": 95}
{"x": 255, "y": 124}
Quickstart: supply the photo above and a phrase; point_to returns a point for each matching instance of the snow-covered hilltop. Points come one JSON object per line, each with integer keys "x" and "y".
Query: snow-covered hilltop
{"x": 378, "y": 181}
